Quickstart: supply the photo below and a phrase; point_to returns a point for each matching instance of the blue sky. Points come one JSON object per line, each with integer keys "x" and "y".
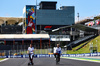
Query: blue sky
{"x": 86, "y": 8}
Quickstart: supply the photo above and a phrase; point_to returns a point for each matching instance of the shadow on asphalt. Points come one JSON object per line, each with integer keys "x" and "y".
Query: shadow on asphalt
{"x": 61, "y": 64}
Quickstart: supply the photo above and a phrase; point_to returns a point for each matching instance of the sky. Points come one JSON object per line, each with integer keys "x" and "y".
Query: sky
{"x": 85, "y": 8}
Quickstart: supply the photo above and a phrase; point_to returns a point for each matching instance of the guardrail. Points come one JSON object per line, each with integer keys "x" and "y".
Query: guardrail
{"x": 46, "y": 55}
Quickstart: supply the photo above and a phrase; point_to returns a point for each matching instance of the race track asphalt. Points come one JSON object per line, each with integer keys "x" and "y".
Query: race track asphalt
{"x": 46, "y": 62}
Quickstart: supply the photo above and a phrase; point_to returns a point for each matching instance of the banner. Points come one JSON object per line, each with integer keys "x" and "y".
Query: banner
{"x": 30, "y": 24}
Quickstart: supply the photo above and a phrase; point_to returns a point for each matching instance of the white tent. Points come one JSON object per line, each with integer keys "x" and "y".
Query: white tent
{"x": 21, "y": 23}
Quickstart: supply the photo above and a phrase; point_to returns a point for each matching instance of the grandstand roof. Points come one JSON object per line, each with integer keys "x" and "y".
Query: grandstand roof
{"x": 24, "y": 36}
{"x": 80, "y": 27}
{"x": 11, "y": 20}
{"x": 84, "y": 28}
{"x": 84, "y": 21}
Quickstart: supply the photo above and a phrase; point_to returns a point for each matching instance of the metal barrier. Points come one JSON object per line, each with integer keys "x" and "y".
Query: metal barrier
{"x": 47, "y": 55}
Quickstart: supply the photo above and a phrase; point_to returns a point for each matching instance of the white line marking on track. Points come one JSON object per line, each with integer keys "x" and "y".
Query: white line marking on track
{"x": 83, "y": 60}
{"x": 4, "y": 60}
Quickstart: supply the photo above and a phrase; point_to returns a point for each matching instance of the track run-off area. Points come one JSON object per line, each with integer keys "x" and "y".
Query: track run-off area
{"x": 47, "y": 62}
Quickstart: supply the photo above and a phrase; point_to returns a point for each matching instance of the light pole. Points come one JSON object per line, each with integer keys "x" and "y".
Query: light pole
{"x": 78, "y": 16}
{"x": 36, "y": 4}
{"x": 36, "y": 14}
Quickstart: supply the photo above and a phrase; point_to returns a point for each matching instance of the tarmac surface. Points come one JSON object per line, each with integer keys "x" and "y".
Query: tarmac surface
{"x": 97, "y": 57}
{"x": 47, "y": 62}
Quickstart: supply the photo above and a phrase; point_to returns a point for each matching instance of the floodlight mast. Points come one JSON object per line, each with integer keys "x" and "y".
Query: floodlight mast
{"x": 36, "y": 4}
{"x": 36, "y": 14}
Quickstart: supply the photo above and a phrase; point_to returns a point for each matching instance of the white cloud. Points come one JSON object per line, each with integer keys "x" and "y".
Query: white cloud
{"x": 21, "y": 16}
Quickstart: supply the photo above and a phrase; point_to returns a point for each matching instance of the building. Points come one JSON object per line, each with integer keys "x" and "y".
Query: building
{"x": 11, "y": 25}
{"x": 45, "y": 19}
{"x": 49, "y": 18}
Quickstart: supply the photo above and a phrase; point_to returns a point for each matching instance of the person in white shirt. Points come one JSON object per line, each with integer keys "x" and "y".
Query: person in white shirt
{"x": 57, "y": 51}
{"x": 31, "y": 53}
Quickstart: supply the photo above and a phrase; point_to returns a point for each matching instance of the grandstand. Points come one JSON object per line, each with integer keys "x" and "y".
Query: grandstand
{"x": 79, "y": 41}
{"x": 91, "y": 25}
{"x": 84, "y": 21}
{"x": 19, "y": 43}
{"x": 43, "y": 36}
{"x": 10, "y": 20}
{"x": 88, "y": 33}
{"x": 11, "y": 25}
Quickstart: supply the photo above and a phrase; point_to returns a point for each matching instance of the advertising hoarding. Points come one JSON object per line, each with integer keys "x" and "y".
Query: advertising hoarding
{"x": 30, "y": 24}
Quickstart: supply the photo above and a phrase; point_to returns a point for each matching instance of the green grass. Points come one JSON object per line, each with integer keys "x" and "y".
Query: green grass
{"x": 86, "y": 48}
{"x": 1, "y": 59}
{"x": 90, "y": 59}
{"x": 41, "y": 51}
{"x": 36, "y": 51}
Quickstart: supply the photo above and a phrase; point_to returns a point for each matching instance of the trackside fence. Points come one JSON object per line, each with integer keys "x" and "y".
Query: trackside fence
{"x": 47, "y": 55}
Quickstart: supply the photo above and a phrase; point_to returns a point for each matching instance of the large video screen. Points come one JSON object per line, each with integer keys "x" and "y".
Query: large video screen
{"x": 30, "y": 24}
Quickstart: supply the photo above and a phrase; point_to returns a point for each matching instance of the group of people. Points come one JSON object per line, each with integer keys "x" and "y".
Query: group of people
{"x": 57, "y": 51}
